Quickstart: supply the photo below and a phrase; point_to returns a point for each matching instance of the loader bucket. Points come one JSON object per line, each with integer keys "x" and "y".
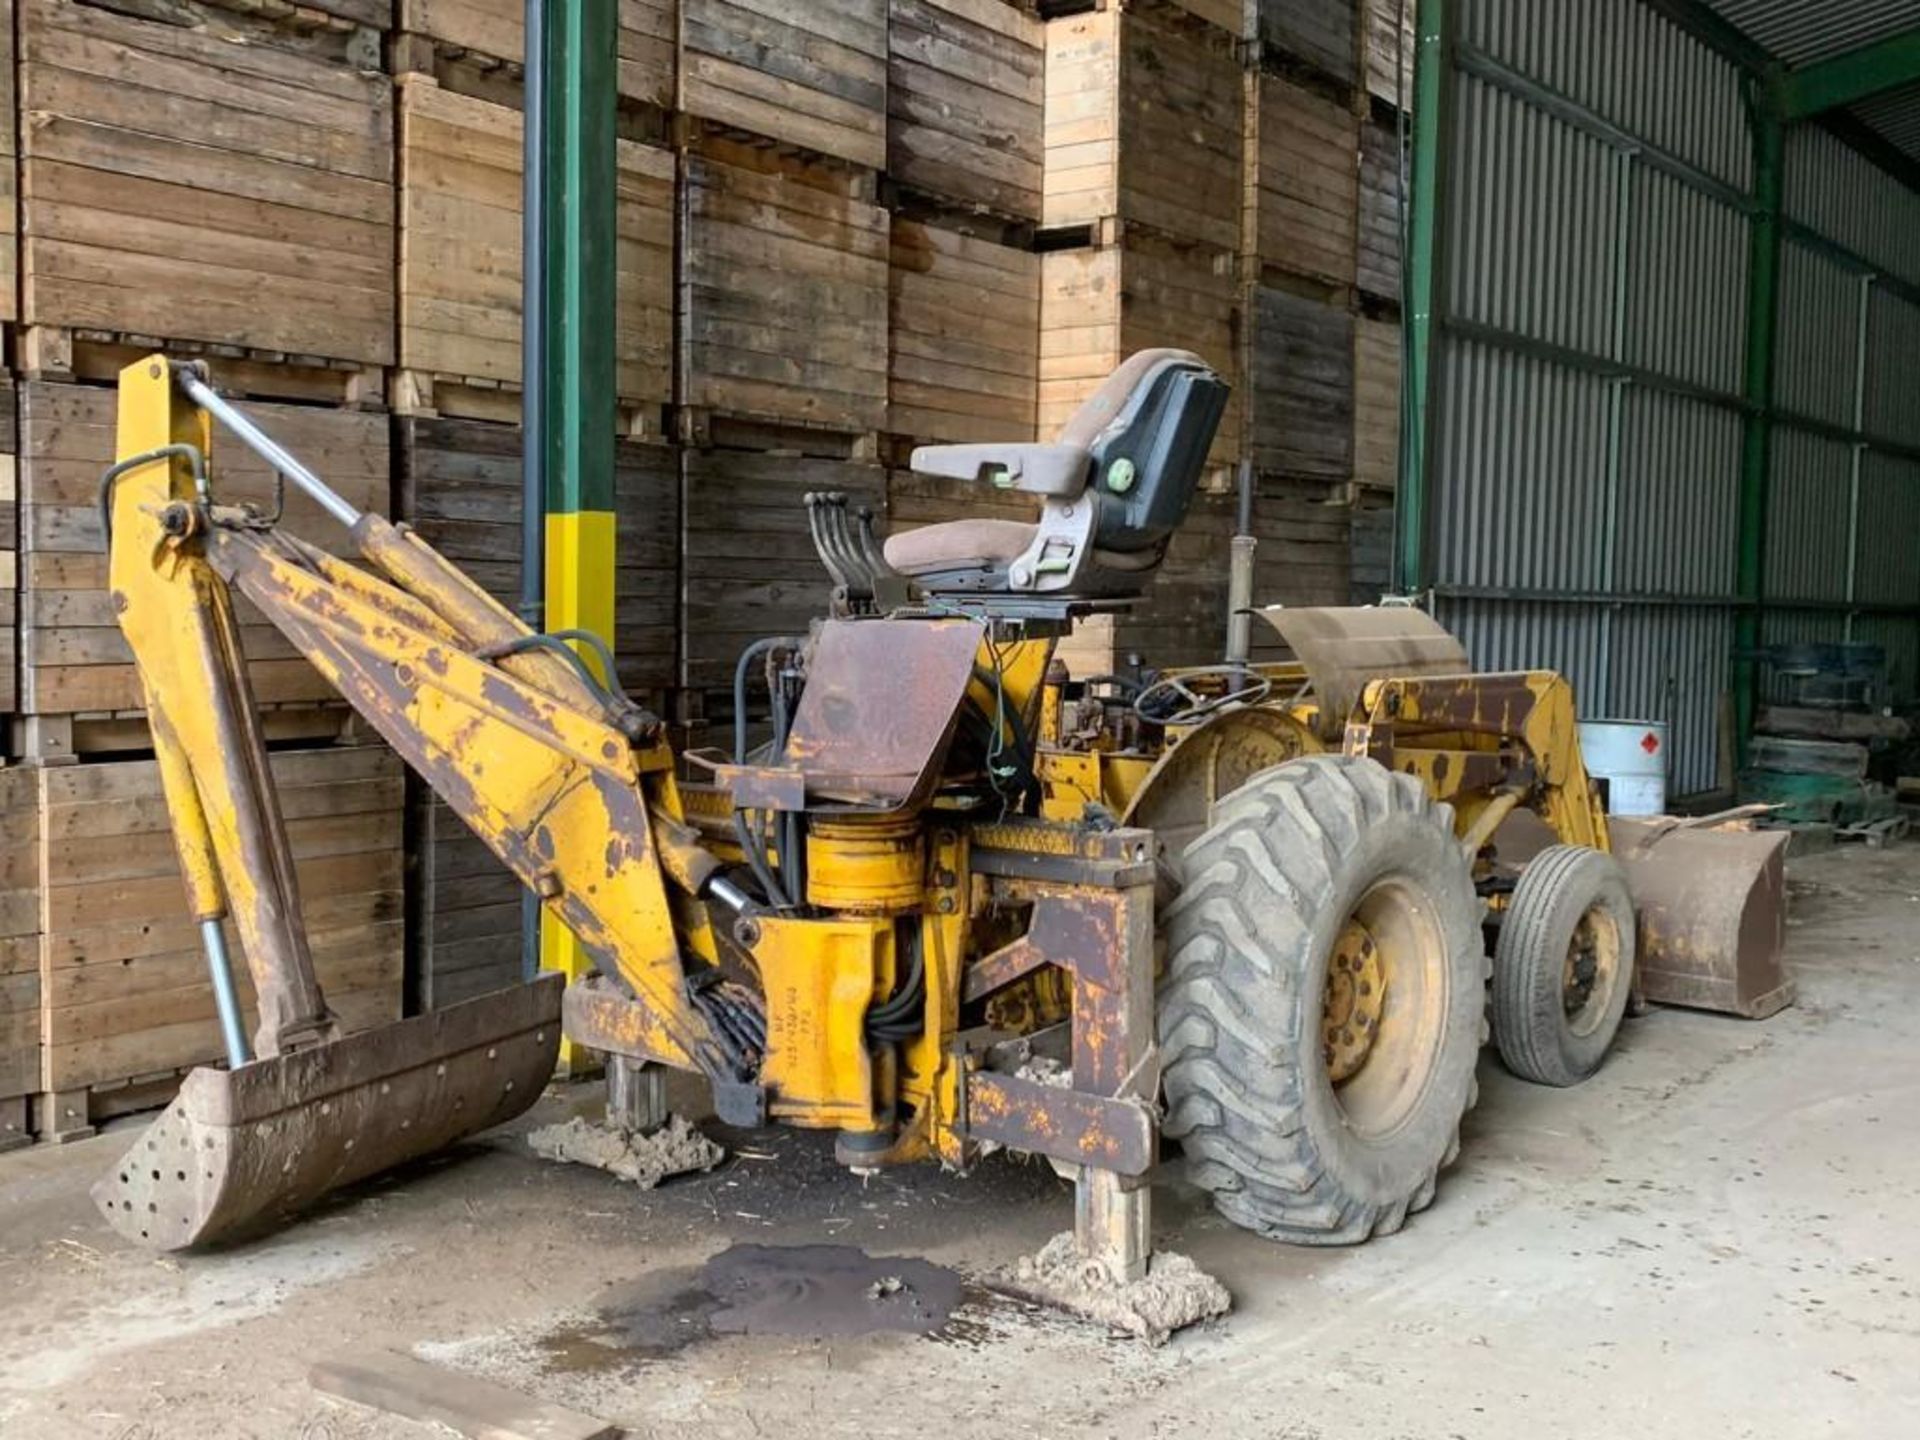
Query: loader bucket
{"x": 244, "y": 1149}
{"x": 1713, "y": 914}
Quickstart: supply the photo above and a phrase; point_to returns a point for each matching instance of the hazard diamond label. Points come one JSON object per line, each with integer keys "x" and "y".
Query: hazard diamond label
{"x": 1649, "y": 742}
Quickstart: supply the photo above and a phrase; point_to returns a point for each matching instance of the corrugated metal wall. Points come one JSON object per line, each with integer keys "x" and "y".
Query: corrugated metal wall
{"x": 1587, "y": 419}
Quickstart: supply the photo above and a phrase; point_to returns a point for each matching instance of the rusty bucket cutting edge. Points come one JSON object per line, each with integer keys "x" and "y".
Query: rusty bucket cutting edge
{"x": 242, "y": 1150}
{"x": 1713, "y": 914}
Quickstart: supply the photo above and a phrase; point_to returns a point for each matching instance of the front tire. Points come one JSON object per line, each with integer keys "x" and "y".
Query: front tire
{"x": 1324, "y": 1002}
{"x": 1563, "y": 967}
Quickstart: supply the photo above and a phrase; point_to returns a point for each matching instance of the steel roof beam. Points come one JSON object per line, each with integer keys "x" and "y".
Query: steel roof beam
{"x": 1845, "y": 79}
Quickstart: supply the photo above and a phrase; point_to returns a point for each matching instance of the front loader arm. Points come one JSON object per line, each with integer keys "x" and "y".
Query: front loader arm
{"x": 569, "y": 784}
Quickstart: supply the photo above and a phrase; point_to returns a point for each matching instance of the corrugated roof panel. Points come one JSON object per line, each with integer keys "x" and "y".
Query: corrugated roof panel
{"x": 1800, "y": 32}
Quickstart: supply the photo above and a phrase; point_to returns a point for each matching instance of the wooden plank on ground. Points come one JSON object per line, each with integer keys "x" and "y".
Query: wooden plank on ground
{"x": 465, "y": 1404}
{"x": 230, "y": 182}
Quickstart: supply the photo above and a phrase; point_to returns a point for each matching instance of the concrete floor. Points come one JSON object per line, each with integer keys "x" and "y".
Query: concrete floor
{"x": 1718, "y": 1236}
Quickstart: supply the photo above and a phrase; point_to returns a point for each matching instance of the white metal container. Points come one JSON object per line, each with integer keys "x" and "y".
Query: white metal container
{"x": 1631, "y": 756}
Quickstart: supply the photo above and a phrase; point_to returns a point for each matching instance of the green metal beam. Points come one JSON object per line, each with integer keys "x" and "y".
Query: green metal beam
{"x": 1432, "y": 84}
{"x": 1763, "y": 314}
{"x": 1857, "y": 75}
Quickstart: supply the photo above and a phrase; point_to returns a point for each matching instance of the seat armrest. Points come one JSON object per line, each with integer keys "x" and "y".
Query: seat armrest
{"x": 1050, "y": 469}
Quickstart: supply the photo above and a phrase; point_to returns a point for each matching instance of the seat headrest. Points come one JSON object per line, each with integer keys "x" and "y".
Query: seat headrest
{"x": 1099, "y": 409}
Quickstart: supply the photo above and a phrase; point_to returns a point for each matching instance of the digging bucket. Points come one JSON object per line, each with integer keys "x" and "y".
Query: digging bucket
{"x": 242, "y": 1150}
{"x": 1712, "y": 902}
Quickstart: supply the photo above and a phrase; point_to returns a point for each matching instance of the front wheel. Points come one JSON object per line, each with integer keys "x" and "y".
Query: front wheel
{"x": 1324, "y": 1001}
{"x": 1563, "y": 967}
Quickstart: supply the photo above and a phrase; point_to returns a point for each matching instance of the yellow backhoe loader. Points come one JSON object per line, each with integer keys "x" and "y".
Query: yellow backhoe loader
{"x": 924, "y": 916}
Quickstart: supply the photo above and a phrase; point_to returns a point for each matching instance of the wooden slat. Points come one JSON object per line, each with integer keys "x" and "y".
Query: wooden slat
{"x": 459, "y": 484}
{"x": 1320, "y": 32}
{"x": 497, "y": 29}
{"x": 965, "y": 90}
{"x": 73, "y": 657}
{"x": 1099, "y": 306}
{"x": 460, "y": 231}
{"x": 1371, "y": 550}
{"x": 1379, "y": 249}
{"x": 9, "y": 539}
{"x": 450, "y": 1401}
{"x": 812, "y": 75}
{"x": 1300, "y": 400}
{"x": 1376, "y": 403}
{"x": 228, "y": 183}
{"x": 811, "y": 348}
{"x": 463, "y": 908}
{"x": 1303, "y": 175}
{"x": 1390, "y": 42}
{"x": 965, "y": 337}
{"x": 1144, "y": 123}
{"x": 19, "y": 932}
{"x": 751, "y": 569}
{"x": 123, "y": 982}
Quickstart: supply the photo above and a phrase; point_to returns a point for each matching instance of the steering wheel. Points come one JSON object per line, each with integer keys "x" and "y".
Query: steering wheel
{"x": 1252, "y": 688}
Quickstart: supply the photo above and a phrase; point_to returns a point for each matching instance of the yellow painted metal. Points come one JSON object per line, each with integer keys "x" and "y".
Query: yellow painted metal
{"x": 1355, "y": 999}
{"x": 1071, "y": 780}
{"x": 580, "y": 574}
{"x": 819, "y": 977}
{"x": 867, "y": 865}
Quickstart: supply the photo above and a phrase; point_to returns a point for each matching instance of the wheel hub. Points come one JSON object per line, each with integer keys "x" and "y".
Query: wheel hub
{"x": 1592, "y": 958}
{"x": 1355, "y": 999}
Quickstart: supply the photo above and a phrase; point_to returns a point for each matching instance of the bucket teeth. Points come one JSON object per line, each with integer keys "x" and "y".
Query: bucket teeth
{"x": 243, "y": 1150}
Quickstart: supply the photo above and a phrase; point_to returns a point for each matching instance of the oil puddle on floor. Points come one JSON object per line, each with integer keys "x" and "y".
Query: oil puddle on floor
{"x": 807, "y": 1291}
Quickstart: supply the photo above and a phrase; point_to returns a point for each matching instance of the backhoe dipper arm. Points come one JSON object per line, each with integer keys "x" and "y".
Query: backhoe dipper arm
{"x": 571, "y": 785}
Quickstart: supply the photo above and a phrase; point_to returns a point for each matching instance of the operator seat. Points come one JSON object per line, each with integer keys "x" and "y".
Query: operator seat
{"x": 1113, "y": 489}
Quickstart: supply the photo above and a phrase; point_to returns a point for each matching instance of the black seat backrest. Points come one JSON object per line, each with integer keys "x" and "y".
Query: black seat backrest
{"x": 1148, "y": 459}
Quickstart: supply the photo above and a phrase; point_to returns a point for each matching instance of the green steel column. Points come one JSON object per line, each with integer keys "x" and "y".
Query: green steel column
{"x": 1763, "y": 316}
{"x": 1432, "y": 59}
{"x": 576, "y": 372}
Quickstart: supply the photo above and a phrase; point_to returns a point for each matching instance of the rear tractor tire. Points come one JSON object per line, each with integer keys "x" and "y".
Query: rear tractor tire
{"x": 1563, "y": 966}
{"x": 1324, "y": 1003}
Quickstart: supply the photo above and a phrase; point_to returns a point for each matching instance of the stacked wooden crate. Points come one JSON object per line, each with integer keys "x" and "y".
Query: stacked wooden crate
{"x": 459, "y": 107}
{"x": 1144, "y": 146}
{"x": 459, "y": 483}
{"x": 214, "y": 180}
{"x": 225, "y": 185}
{"x": 125, "y": 1001}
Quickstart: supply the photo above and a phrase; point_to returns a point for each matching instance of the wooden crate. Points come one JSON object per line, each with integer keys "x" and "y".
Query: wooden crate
{"x": 460, "y": 233}
{"x": 9, "y": 543}
{"x": 751, "y": 569}
{"x": 19, "y": 952}
{"x": 1299, "y": 386}
{"x": 812, "y": 75}
{"x": 459, "y": 484}
{"x": 229, "y": 182}
{"x": 124, "y": 986}
{"x": 1144, "y": 123}
{"x": 964, "y": 361}
{"x": 9, "y": 179}
{"x": 1378, "y": 268}
{"x": 1376, "y": 403}
{"x": 73, "y": 656}
{"x": 1301, "y": 557}
{"x": 463, "y": 908}
{"x": 783, "y": 294}
{"x": 1303, "y": 180}
{"x": 497, "y": 29}
{"x": 1098, "y": 306}
{"x": 1320, "y": 32}
{"x": 1390, "y": 43}
{"x": 1371, "y": 549}
{"x": 966, "y": 87}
